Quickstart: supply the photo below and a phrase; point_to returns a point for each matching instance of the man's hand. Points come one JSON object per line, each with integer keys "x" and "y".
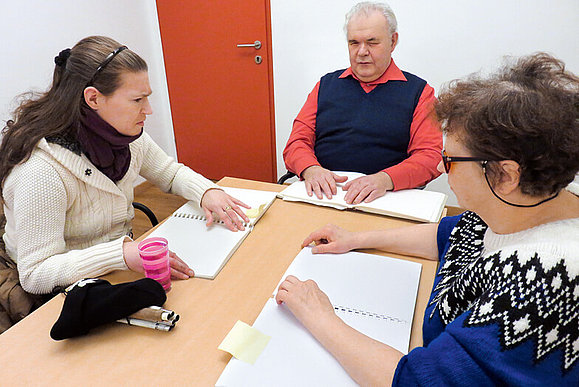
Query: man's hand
{"x": 368, "y": 188}
{"x": 321, "y": 181}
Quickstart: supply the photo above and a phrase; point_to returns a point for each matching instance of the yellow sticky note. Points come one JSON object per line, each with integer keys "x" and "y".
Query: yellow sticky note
{"x": 254, "y": 212}
{"x": 244, "y": 342}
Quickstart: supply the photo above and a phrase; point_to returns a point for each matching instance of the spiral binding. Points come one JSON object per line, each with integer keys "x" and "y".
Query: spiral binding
{"x": 200, "y": 217}
{"x": 347, "y": 309}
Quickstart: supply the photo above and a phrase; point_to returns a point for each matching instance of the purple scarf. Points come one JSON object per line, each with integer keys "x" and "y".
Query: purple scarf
{"x": 106, "y": 148}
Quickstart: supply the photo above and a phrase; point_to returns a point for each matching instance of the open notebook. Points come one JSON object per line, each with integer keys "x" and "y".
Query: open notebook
{"x": 375, "y": 295}
{"x": 207, "y": 249}
{"x": 413, "y": 204}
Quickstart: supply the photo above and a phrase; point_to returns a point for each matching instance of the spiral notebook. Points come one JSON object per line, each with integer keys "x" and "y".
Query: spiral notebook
{"x": 413, "y": 204}
{"x": 374, "y": 294}
{"x": 207, "y": 249}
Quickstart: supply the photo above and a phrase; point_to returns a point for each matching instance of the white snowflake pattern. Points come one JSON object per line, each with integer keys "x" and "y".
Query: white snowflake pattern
{"x": 529, "y": 297}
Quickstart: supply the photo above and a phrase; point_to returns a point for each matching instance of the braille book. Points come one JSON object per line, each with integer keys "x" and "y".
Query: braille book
{"x": 207, "y": 249}
{"x": 375, "y": 295}
{"x": 413, "y": 204}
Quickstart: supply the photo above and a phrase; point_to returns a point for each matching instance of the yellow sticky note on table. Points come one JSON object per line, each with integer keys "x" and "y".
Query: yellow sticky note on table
{"x": 244, "y": 342}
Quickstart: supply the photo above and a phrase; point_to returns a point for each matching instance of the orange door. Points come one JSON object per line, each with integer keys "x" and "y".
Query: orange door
{"x": 221, "y": 99}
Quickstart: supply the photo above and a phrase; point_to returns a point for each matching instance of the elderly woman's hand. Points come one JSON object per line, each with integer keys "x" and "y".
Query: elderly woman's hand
{"x": 307, "y": 302}
{"x": 331, "y": 239}
{"x": 226, "y": 207}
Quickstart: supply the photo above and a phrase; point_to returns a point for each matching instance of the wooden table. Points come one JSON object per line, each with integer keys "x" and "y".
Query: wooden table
{"x": 188, "y": 355}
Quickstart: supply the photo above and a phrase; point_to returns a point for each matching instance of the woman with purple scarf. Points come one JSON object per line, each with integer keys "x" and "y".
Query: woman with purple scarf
{"x": 69, "y": 161}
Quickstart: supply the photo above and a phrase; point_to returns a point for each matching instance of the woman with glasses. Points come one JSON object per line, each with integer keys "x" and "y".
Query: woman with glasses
{"x": 69, "y": 161}
{"x": 504, "y": 309}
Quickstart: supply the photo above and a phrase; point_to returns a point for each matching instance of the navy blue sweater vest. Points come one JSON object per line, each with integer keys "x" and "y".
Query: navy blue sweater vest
{"x": 364, "y": 132}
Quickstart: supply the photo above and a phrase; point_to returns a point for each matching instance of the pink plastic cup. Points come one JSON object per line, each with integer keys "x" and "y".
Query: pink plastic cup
{"x": 155, "y": 255}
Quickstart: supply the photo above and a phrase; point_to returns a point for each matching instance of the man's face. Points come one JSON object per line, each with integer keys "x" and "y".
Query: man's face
{"x": 370, "y": 45}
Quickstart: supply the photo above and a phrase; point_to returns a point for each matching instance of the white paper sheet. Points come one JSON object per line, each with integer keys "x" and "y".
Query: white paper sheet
{"x": 379, "y": 295}
{"x": 207, "y": 249}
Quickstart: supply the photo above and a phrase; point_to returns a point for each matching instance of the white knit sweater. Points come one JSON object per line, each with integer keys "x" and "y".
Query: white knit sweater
{"x": 65, "y": 220}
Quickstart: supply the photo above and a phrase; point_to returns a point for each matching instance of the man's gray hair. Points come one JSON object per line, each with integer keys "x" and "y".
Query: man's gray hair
{"x": 368, "y": 7}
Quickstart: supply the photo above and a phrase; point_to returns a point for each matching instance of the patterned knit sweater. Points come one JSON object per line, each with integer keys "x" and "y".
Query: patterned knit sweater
{"x": 66, "y": 220}
{"x": 504, "y": 309}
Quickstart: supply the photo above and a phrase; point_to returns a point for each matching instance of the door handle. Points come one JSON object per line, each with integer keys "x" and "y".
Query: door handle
{"x": 256, "y": 45}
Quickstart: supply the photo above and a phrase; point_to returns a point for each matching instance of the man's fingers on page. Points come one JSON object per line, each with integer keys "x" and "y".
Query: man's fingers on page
{"x": 331, "y": 183}
{"x": 351, "y": 194}
{"x": 309, "y": 189}
{"x": 357, "y": 192}
{"x": 362, "y": 195}
{"x": 347, "y": 186}
{"x": 326, "y": 189}
{"x": 317, "y": 190}
{"x": 373, "y": 195}
{"x": 339, "y": 179}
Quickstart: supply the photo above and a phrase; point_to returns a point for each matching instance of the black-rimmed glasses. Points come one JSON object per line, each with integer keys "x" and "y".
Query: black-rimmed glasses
{"x": 448, "y": 160}
{"x": 105, "y": 62}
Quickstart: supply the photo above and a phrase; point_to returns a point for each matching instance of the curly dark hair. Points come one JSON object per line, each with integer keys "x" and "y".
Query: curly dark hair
{"x": 527, "y": 112}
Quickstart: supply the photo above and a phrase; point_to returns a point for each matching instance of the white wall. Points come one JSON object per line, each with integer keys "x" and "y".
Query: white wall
{"x": 439, "y": 41}
{"x": 33, "y": 32}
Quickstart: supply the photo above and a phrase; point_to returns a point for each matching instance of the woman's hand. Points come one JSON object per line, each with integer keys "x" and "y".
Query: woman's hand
{"x": 367, "y": 361}
{"x": 306, "y": 301}
{"x": 225, "y": 207}
{"x": 179, "y": 269}
{"x": 331, "y": 239}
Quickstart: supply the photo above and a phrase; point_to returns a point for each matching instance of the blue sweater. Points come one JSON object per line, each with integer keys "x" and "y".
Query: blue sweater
{"x": 505, "y": 317}
{"x": 364, "y": 132}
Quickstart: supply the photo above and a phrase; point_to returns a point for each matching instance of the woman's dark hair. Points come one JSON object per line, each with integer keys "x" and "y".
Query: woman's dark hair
{"x": 527, "y": 112}
{"x": 56, "y": 113}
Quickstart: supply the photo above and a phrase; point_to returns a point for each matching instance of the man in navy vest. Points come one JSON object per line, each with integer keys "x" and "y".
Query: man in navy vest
{"x": 371, "y": 118}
